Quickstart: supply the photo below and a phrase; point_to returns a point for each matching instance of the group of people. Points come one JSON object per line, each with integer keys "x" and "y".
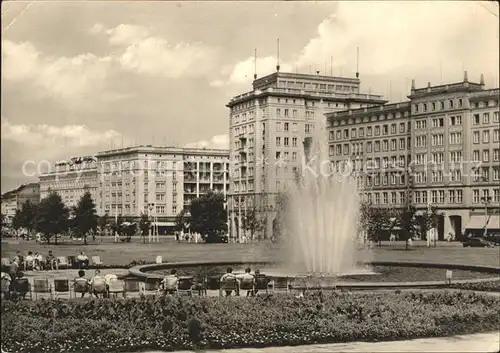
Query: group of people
{"x": 97, "y": 285}
{"x": 33, "y": 262}
{"x": 36, "y": 262}
{"x": 229, "y": 282}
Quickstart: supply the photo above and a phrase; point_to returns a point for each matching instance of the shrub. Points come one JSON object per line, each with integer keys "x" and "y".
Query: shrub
{"x": 179, "y": 323}
{"x": 488, "y": 286}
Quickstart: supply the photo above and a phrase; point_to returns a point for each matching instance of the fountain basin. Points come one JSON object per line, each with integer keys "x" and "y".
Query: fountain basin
{"x": 367, "y": 280}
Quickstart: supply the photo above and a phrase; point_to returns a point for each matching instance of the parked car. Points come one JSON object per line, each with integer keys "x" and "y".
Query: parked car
{"x": 476, "y": 243}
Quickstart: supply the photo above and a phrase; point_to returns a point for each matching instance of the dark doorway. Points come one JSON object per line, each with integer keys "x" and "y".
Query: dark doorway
{"x": 440, "y": 227}
{"x": 456, "y": 224}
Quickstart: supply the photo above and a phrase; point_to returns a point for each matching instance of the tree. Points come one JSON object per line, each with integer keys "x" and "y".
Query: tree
{"x": 144, "y": 225}
{"x": 208, "y": 216}
{"x": 51, "y": 217}
{"x": 428, "y": 220}
{"x": 119, "y": 221}
{"x": 408, "y": 223}
{"x": 375, "y": 221}
{"x": 25, "y": 217}
{"x": 103, "y": 222}
{"x": 252, "y": 222}
{"x": 85, "y": 215}
{"x": 17, "y": 221}
{"x": 181, "y": 220}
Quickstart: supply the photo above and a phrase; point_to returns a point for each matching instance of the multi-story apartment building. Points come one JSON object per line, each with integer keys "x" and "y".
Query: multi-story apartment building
{"x": 158, "y": 181}
{"x": 71, "y": 179}
{"x": 14, "y": 199}
{"x": 441, "y": 148}
{"x": 268, "y": 127}
{"x": 29, "y": 192}
{"x": 9, "y": 206}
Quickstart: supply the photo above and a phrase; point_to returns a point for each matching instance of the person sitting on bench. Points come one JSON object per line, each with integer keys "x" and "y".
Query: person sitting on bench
{"x": 229, "y": 283}
{"x": 51, "y": 261}
{"x": 98, "y": 285}
{"x": 81, "y": 284}
{"x": 29, "y": 262}
{"x": 82, "y": 260}
{"x": 170, "y": 283}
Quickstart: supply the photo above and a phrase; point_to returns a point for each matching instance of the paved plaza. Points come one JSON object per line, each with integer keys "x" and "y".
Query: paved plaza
{"x": 481, "y": 342}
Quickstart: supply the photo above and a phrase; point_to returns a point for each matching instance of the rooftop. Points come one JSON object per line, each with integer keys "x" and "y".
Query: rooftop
{"x": 318, "y": 94}
{"x": 464, "y": 86}
{"x": 164, "y": 150}
{"x": 400, "y": 106}
{"x": 309, "y": 77}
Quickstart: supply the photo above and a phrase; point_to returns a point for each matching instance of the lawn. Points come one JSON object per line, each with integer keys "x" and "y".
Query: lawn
{"x": 170, "y": 250}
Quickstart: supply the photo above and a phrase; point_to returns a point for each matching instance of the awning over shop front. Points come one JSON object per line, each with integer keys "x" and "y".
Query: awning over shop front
{"x": 478, "y": 222}
{"x": 494, "y": 222}
{"x": 164, "y": 224}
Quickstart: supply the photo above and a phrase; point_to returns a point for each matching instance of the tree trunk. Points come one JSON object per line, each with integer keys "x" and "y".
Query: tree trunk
{"x": 85, "y": 239}
{"x": 55, "y": 235}
{"x": 406, "y": 245}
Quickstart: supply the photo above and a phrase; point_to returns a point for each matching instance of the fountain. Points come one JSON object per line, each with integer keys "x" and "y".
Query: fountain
{"x": 322, "y": 214}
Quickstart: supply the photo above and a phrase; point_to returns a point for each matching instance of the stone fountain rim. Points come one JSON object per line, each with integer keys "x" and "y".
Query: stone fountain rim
{"x": 141, "y": 271}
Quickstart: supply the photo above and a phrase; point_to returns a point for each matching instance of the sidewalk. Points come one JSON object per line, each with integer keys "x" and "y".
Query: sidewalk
{"x": 480, "y": 342}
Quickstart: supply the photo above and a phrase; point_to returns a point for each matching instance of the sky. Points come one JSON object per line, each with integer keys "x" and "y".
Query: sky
{"x": 83, "y": 76}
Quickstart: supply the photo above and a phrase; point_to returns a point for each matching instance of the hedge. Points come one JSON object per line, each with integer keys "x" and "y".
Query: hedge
{"x": 487, "y": 286}
{"x": 177, "y": 323}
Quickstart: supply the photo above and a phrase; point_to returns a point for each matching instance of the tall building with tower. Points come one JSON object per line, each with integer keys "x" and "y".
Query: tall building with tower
{"x": 268, "y": 127}
{"x": 440, "y": 148}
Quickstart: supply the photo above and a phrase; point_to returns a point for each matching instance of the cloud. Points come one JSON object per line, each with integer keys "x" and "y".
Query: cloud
{"x": 126, "y": 34}
{"x": 64, "y": 77}
{"x": 397, "y": 40}
{"x": 217, "y": 141}
{"x": 145, "y": 53}
{"x": 49, "y": 135}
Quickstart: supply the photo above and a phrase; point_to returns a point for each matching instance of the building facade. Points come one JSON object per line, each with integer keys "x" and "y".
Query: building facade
{"x": 158, "y": 181}
{"x": 9, "y": 206}
{"x": 267, "y": 129}
{"x": 71, "y": 179}
{"x": 14, "y": 200}
{"x": 440, "y": 148}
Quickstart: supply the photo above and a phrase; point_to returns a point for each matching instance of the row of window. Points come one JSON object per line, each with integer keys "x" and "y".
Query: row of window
{"x": 360, "y": 132}
{"x": 286, "y": 141}
{"x": 357, "y": 147}
{"x": 455, "y": 196}
{"x": 286, "y": 127}
{"x": 479, "y": 196}
{"x": 315, "y": 86}
{"x": 456, "y": 156}
{"x": 441, "y": 105}
{"x": 476, "y": 137}
{"x": 476, "y": 118}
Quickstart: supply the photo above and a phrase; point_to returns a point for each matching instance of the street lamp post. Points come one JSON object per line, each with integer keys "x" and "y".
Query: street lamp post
{"x": 150, "y": 218}
{"x": 486, "y": 201}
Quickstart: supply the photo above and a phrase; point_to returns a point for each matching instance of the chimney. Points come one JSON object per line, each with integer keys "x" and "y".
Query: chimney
{"x": 412, "y": 86}
{"x": 466, "y": 79}
{"x": 481, "y": 82}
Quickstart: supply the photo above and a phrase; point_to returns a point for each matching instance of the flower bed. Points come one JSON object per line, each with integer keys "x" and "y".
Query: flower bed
{"x": 176, "y": 323}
